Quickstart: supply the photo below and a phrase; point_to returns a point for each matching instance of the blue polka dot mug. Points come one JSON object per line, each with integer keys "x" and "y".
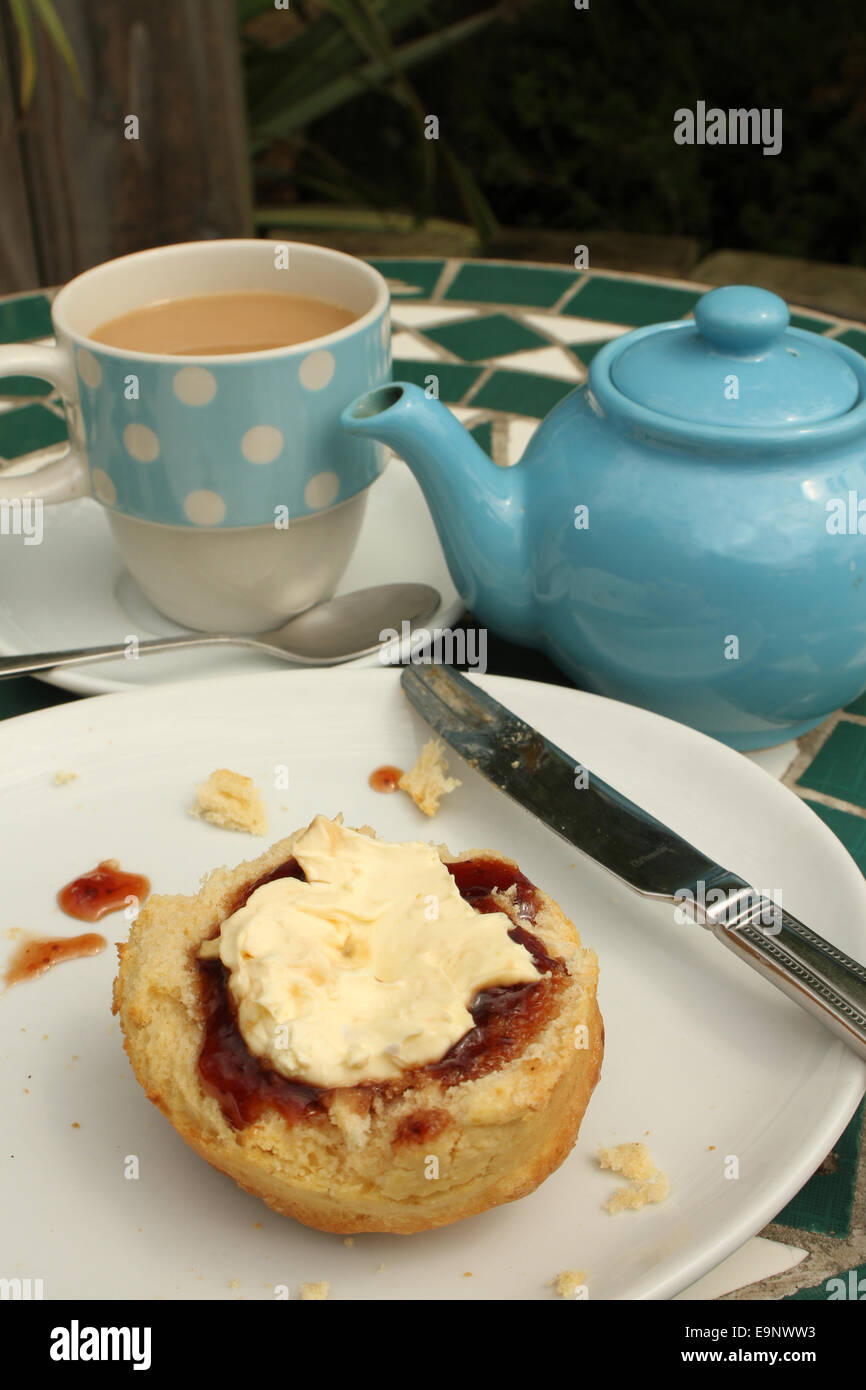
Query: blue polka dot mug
{"x": 233, "y": 494}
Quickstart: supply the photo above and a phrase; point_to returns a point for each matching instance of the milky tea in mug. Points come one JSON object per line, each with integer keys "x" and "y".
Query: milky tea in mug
{"x": 202, "y": 325}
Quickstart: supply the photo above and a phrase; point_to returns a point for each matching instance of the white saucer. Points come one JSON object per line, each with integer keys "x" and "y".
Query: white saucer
{"x": 73, "y": 590}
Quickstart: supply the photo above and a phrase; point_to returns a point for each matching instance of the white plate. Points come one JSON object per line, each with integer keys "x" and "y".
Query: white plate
{"x": 73, "y": 590}
{"x": 704, "y": 1059}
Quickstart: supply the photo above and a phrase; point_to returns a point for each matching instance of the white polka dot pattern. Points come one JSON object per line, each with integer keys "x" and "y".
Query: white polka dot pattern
{"x": 204, "y": 508}
{"x": 321, "y": 490}
{"x": 317, "y": 369}
{"x": 262, "y": 444}
{"x": 194, "y": 385}
{"x": 141, "y": 443}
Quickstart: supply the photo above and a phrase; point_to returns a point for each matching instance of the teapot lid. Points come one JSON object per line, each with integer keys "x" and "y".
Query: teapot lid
{"x": 738, "y": 364}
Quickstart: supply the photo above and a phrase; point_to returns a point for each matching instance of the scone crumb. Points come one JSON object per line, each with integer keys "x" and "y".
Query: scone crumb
{"x": 62, "y": 779}
{"x": 568, "y": 1282}
{"x": 231, "y": 801}
{"x": 629, "y": 1160}
{"x": 349, "y": 1241}
{"x": 315, "y": 1293}
{"x": 428, "y": 781}
{"x": 234, "y": 1283}
{"x": 639, "y": 1194}
{"x": 647, "y": 1186}
{"x": 381, "y": 1269}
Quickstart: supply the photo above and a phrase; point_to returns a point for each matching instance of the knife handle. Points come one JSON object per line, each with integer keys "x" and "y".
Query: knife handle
{"x": 813, "y": 972}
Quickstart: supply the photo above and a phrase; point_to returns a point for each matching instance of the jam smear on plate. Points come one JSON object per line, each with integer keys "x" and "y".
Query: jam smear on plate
{"x": 36, "y": 954}
{"x": 385, "y": 778}
{"x": 107, "y": 888}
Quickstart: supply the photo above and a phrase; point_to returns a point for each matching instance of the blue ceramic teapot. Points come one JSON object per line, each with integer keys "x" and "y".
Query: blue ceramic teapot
{"x": 686, "y": 532}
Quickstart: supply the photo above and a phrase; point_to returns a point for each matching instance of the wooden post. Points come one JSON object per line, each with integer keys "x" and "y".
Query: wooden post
{"x": 81, "y": 181}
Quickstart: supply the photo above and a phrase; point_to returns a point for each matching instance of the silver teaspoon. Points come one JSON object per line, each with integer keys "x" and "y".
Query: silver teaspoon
{"x": 341, "y": 629}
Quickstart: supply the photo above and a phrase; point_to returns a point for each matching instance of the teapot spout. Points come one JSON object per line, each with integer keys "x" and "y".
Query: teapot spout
{"x": 477, "y": 507}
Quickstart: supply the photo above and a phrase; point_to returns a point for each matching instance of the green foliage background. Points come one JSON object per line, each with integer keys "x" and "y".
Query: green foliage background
{"x": 564, "y": 118}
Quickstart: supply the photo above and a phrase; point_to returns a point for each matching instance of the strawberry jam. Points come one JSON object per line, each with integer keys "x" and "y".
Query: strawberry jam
{"x": 107, "y": 888}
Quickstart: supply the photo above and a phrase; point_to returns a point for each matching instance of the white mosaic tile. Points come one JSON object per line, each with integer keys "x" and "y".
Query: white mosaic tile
{"x": 520, "y": 431}
{"x": 429, "y": 315}
{"x": 406, "y": 346}
{"x": 466, "y": 414}
{"x": 568, "y": 330}
{"x": 548, "y": 361}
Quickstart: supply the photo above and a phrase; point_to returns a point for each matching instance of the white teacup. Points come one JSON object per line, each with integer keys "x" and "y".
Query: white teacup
{"x": 233, "y": 494}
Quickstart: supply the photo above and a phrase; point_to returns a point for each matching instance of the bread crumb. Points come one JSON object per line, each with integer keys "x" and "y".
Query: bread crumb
{"x": 349, "y": 1241}
{"x": 629, "y": 1160}
{"x": 639, "y": 1194}
{"x": 232, "y": 802}
{"x": 62, "y": 779}
{"x": 647, "y": 1185}
{"x": 568, "y": 1282}
{"x": 428, "y": 781}
{"x": 315, "y": 1293}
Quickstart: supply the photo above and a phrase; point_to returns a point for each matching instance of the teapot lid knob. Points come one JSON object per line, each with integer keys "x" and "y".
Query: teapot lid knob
{"x": 740, "y": 319}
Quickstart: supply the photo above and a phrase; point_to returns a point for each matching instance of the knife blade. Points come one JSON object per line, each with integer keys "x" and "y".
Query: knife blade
{"x": 639, "y": 849}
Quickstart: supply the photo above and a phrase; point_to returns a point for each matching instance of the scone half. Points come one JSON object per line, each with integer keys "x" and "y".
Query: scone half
{"x": 483, "y": 1125}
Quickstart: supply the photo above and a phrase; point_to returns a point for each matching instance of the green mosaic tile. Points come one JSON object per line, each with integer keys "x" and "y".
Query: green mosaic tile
{"x": 24, "y": 386}
{"x": 25, "y": 318}
{"x": 421, "y": 275}
{"x": 851, "y": 830}
{"x": 522, "y": 393}
{"x": 857, "y": 706}
{"x": 854, "y": 338}
{"x": 811, "y": 325}
{"x": 24, "y": 694}
{"x": 853, "y": 1287}
{"x": 32, "y": 427}
{"x": 824, "y": 1204}
{"x": 488, "y": 283}
{"x": 840, "y": 767}
{"x": 455, "y": 378}
{"x": 493, "y": 335}
{"x": 483, "y": 436}
{"x": 584, "y": 352}
{"x": 629, "y": 301}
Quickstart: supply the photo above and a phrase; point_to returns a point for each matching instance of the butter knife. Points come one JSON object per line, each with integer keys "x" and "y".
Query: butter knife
{"x": 641, "y": 851}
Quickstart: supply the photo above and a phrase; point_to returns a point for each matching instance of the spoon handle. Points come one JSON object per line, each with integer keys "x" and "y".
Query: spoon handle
{"x": 75, "y": 656}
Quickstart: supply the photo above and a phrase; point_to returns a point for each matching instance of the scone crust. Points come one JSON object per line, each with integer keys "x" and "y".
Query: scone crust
{"x": 359, "y": 1167}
